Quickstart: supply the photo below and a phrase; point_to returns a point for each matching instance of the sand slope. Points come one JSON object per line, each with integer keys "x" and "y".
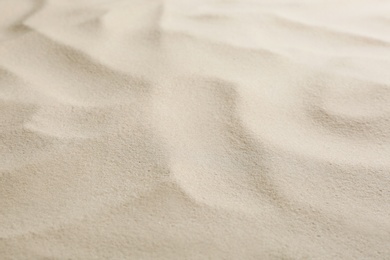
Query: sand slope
{"x": 194, "y": 129}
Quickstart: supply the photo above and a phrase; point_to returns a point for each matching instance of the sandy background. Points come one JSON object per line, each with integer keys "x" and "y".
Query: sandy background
{"x": 195, "y": 129}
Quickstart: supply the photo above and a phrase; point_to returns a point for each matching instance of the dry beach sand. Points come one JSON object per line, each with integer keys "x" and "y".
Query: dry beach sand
{"x": 194, "y": 129}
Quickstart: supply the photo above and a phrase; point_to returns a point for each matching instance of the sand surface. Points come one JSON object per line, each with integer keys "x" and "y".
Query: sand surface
{"x": 194, "y": 129}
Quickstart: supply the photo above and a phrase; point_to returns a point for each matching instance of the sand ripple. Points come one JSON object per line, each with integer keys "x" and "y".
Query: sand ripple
{"x": 194, "y": 129}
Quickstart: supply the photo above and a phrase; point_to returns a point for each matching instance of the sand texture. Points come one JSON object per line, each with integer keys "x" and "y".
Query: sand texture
{"x": 194, "y": 129}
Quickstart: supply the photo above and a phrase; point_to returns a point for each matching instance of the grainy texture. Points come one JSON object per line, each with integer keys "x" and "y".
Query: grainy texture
{"x": 194, "y": 129}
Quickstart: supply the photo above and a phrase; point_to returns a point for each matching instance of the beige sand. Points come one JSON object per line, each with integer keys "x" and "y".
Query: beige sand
{"x": 195, "y": 129}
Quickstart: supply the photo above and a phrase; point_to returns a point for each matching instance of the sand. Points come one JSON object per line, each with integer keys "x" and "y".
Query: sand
{"x": 194, "y": 129}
